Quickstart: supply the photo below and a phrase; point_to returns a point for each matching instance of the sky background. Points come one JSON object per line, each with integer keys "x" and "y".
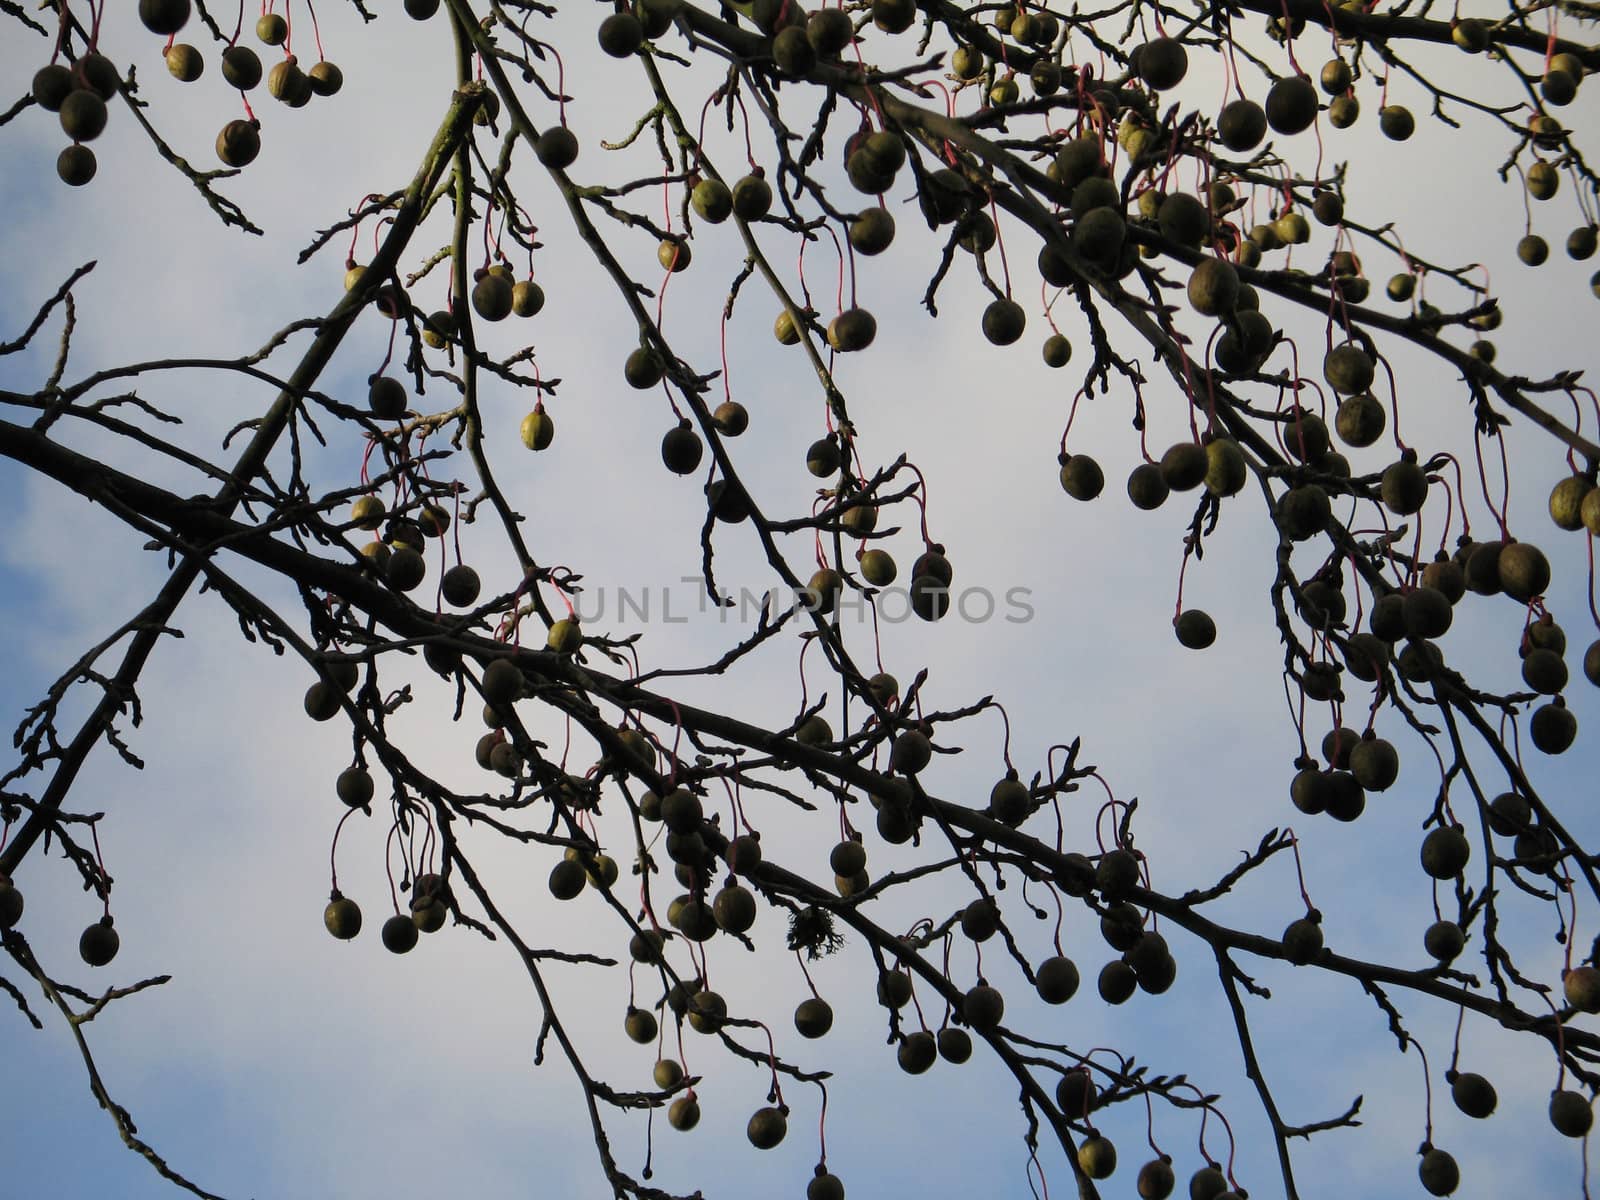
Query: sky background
{"x": 281, "y": 1063}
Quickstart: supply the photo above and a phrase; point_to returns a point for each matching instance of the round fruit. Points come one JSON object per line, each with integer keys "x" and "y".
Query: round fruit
{"x": 241, "y": 67}
{"x": 556, "y": 147}
{"x": 767, "y": 1128}
{"x": 1004, "y": 321}
{"x": 1396, "y": 122}
{"x": 684, "y": 1113}
{"x": 460, "y": 586}
{"x": 1075, "y": 1093}
{"x": 567, "y": 879}
{"x": 1553, "y": 727}
{"x": 1404, "y": 487}
{"x": 399, "y": 934}
{"x": 1570, "y": 1113}
{"x": 1474, "y": 1095}
{"x": 1438, "y": 1172}
{"x": 1348, "y": 369}
{"x": 1184, "y": 466}
{"x": 99, "y": 943}
{"x": 272, "y": 29}
{"x": 640, "y": 1026}
{"x": 1291, "y": 104}
{"x": 1445, "y": 852}
{"x": 1524, "y": 571}
{"x": 184, "y": 62}
{"x": 1241, "y": 125}
{"x": 342, "y": 917}
{"x": 1195, "y": 629}
{"x": 51, "y": 86}
{"x": 824, "y": 1186}
{"x": 954, "y": 1045}
{"x": 1444, "y": 941}
{"x": 83, "y": 116}
{"x": 813, "y": 1017}
{"x": 1156, "y": 1179}
{"x": 983, "y": 1008}
{"x": 853, "y": 329}
{"x": 76, "y": 165}
{"x": 1147, "y": 487}
{"x": 1097, "y": 1157}
{"x": 1081, "y": 477}
{"x": 1213, "y": 287}
{"x": 1302, "y": 941}
{"x": 917, "y": 1052}
{"x": 538, "y": 430}
{"x": 1581, "y": 986}
{"x": 1566, "y": 501}
{"x": 1163, "y": 62}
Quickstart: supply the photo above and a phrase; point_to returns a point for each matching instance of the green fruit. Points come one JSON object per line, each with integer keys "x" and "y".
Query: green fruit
{"x": 1566, "y": 501}
{"x": 824, "y": 1186}
{"x": 1097, "y": 1157}
{"x": 872, "y": 231}
{"x": 1081, "y": 477}
{"x": 1473, "y": 1095}
{"x": 1241, "y": 125}
{"x": 1404, "y": 487}
{"x": 684, "y": 1113}
{"x": 83, "y": 116}
{"x": 1195, "y": 629}
{"x": 1076, "y": 1094}
{"x": 877, "y": 568}
{"x": 241, "y": 67}
{"x": 1004, "y": 321}
{"x": 734, "y": 908}
{"x": 1156, "y": 1179}
{"x": 983, "y": 1008}
{"x": 1163, "y": 62}
{"x": 847, "y": 858}
{"x": 767, "y": 1128}
{"x": 853, "y": 329}
{"x": 1444, "y": 941}
{"x": 184, "y": 62}
{"x": 621, "y": 34}
{"x": 567, "y": 879}
{"x": 99, "y": 943}
{"x": 1524, "y": 571}
{"x": 1184, "y": 466}
{"x": 342, "y": 917}
{"x": 954, "y": 1045}
{"x": 713, "y": 200}
{"x": 1213, "y": 287}
{"x": 1438, "y": 1172}
{"x": 1207, "y": 1184}
{"x": 399, "y": 934}
{"x": 1553, "y": 727}
{"x": 640, "y": 1025}
{"x": 326, "y": 78}
{"x": 1348, "y": 369}
{"x": 1570, "y": 1113}
{"x": 556, "y": 147}
{"x": 917, "y": 1052}
{"x": 1226, "y": 469}
{"x": 1183, "y": 219}
{"x": 1533, "y": 250}
{"x": 1375, "y": 763}
{"x": 1396, "y": 122}
{"x": 1147, "y": 488}
{"x": 51, "y": 86}
{"x": 76, "y": 165}
{"x": 1445, "y": 852}
{"x": 894, "y": 989}
{"x": 1581, "y": 986}
{"x": 1302, "y": 941}
{"x": 272, "y": 29}
{"x": 1117, "y": 982}
{"x": 1056, "y": 980}
{"x": 813, "y": 1017}
{"x": 1291, "y": 104}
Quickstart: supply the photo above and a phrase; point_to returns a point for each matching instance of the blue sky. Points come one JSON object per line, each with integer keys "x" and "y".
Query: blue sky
{"x": 279, "y": 1063}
